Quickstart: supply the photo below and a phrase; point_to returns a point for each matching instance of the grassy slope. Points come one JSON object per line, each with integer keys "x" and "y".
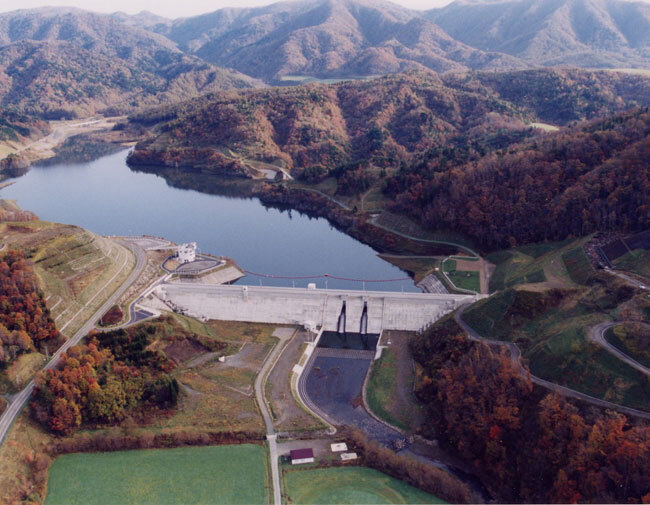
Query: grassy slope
{"x": 73, "y": 266}
{"x": 220, "y": 398}
{"x": 24, "y": 436}
{"x": 637, "y": 261}
{"x": 556, "y": 346}
{"x": 637, "y": 346}
{"x": 383, "y": 399}
{"x": 554, "y": 341}
{"x": 201, "y": 475}
{"x": 351, "y": 485}
{"x": 543, "y": 264}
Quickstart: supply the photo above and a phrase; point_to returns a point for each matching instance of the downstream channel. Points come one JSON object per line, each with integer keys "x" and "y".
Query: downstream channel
{"x": 107, "y": 197}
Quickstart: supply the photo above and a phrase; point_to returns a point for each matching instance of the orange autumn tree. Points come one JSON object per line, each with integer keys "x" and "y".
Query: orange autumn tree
{"x": 25, "y": 322}
{"x": 526, "y": 445}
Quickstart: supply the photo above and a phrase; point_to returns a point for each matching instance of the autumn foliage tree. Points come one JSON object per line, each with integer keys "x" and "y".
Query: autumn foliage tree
{"x": 571, "y": 183}
{"x": 100, "y": 383}
{"x": 25, "y": 322}
{"x": 526, "y": 445}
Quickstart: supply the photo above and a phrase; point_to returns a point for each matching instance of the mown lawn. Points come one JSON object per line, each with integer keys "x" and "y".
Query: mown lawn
{"x": 466, "y": 280}
{"x": 227, "y": 474}
{"x": 350, "y": 485}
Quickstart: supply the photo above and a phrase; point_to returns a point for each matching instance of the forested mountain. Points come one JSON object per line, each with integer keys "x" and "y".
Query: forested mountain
{"x": 321, "y": 130}
{"x": 568, "y": 184}
{"x": 62, "y": 63}
{"x": 584, "y": 33}
{"x": 326, "y": 38}
{"x": 560, "y": 96}
{"x": 453, "y": 151}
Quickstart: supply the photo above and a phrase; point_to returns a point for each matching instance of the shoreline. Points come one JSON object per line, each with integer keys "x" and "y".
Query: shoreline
{"x": 18, "y": 161}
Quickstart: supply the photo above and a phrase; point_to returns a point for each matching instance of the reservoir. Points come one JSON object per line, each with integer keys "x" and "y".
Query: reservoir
{"x": 108, "y": 198}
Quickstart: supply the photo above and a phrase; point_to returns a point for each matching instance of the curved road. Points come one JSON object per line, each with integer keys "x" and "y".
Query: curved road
{"x": 390, "y": 230}
{"x": 597, "y": 336}
{"x": 19, "y": 400}
{"x": 515, "y": 354}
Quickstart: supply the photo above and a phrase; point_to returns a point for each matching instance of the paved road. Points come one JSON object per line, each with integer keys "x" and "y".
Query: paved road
{"x": 270, "y": 431}
{"x": 515, "y": 354}
{"x": 596, "y": 335}
{"x": 19, "y": 400}
{"x": 424, "y": 240}
{"x": 628, "y": 278}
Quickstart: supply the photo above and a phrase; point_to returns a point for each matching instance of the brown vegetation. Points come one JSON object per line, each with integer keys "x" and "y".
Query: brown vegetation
{"x": 416, "y": 473}
{"x": 524, "y": 444}
{"x": 25, "y": 323}
{"x": 567, "y": 184}
{"x": 113, "y": 316}
{"x": 115, "y": 374}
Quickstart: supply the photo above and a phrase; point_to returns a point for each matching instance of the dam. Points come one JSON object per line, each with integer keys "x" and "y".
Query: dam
{"x": 328, "y": 309}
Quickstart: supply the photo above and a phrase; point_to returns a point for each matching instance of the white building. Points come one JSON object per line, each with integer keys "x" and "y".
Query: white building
{"x": 187, "y": 252}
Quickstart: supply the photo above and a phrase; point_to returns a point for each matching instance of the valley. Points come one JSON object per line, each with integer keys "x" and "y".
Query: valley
{"x": 326, "y": 251}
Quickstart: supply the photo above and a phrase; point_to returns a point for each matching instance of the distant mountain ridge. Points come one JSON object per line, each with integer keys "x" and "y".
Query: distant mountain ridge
{"x": 584, "y": 33}
{"x": 64, "y": 62}
{"x": 326, "y": 38}
{"x": 61, "y": 63}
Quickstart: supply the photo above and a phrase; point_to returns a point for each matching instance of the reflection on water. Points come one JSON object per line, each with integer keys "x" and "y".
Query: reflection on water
{"x": 107, "y": 197}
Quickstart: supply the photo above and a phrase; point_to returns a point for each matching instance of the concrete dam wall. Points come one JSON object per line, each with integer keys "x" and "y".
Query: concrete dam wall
{"x": 385, "y": 310}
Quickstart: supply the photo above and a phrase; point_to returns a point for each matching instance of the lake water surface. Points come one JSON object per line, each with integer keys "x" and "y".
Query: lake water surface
{"x": 107, "y": 197}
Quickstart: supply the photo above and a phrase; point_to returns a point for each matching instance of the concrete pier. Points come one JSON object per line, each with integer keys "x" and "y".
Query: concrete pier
{"x": 321, "y": 307}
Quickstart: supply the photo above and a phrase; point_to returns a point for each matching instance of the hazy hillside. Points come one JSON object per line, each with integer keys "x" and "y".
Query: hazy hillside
{"x": 584, "y": 33}
{"x": 15, "y": 128}
{"x": 68, "y": 62}
{"x": 326, "y": 38}
{"x": 559, "y": 96}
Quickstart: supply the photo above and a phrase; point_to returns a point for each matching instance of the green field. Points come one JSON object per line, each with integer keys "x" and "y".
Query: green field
{"x": 350, "y": 485}
{"x": 461, "y": 279}
{"x": 226, "y": 474}
{"x": 466, "y": 280}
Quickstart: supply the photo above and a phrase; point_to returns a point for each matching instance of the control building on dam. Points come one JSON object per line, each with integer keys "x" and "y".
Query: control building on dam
{"x": 331, "y": 310}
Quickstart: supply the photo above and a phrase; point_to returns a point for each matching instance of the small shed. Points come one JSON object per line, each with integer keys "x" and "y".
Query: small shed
{"x": 348, "y": 456}
{"x": 301, "y": 456}
{"x": 339, "y": 447}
